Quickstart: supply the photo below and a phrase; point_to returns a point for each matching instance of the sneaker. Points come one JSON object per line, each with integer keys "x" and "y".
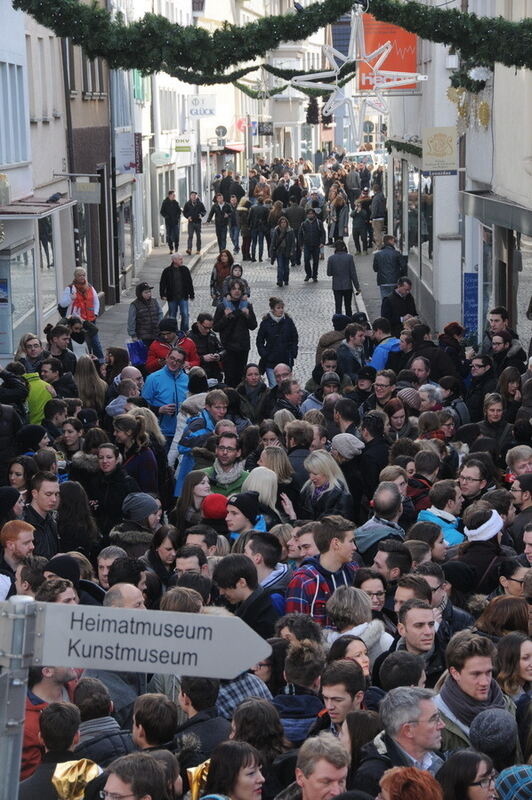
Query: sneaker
{"x": 188, "y": 252}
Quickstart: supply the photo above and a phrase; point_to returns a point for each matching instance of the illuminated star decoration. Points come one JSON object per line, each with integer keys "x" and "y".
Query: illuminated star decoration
{"x": 382, "y": 80}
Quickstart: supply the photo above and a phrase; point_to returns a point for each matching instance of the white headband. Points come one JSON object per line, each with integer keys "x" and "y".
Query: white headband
{"x": 491, "y": 528}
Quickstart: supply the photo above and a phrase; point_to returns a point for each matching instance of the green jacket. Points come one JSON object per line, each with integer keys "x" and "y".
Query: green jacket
{"x": 228, "y": 488}
{"x": 453, "y": 736}
{"x": 37, "y": 398}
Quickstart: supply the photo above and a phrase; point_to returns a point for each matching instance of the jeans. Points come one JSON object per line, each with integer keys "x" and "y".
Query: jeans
{"x": 296, "y": 255}
{"x": 386, "y": 289}
{"x": 271, "y": 377}
{"x": 313, "y": 253}
{"x": 182, "y": 305}
{"x": 283, "y": 268}
{"x": 194, "y": 228}
{"x": 172, "y": 236}
{"x": 96, "y": 346}
{"x": 345, "y": 296}
{"x": 235, "y": 234}
{"x": 257, "y": 236}
{"x": 221, "y": 235}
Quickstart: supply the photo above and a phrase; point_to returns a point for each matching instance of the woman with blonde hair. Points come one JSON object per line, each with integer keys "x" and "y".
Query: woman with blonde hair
{"x": 326, "y": 490}
{"x": 91, "y": 387}
{"x": 282, "y": 417}
{"x": 275, "y": 458}
{"x": 264, "y": 481}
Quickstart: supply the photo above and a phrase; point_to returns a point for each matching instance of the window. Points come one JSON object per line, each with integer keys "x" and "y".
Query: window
{"x": 31, "y": 79}
{"x": 13, "y": 134}
{"x": 17, "y": 284}
{"x": 44, "y": 82}
{"x": 168, "y": 104}
{"x": 92, "y": 72}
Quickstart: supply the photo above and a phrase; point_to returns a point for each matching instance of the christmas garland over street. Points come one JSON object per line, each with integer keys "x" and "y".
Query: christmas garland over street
{"x": 192, "y": 54}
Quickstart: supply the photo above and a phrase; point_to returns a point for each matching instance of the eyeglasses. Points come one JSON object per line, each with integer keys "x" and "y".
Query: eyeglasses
{"x": 381, "y": 385}
{"x": 378, "y": 595}
{"x": 431, "y": 721}
{"x": 485, "y": 782}
{"x": 436, "y": 588}
{"x": 478, "y": 366}
{"x": 103, "y": 795}
{"x": 226, "y": 449}
{"x": 516, "y": 580}
{"x": 466, "y": 479}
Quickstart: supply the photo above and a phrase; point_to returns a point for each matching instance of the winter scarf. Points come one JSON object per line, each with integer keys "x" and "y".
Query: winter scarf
{"x": 276, "y": 319}
{"x": 464, "y": 708}
{"x": 225, "y": 477}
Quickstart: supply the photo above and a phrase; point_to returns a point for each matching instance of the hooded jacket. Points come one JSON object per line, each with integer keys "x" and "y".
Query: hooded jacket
{"x": 234, "y": 328}
{"x": 102, "y": 740}
{"x": 110, "y": 492}
{"x": 37, "y": 398}
{"x": 143, "y": 316}
{"x": 164, "y": 387}
{"x": 197, "y": 431}
{"x": 447, "y": 523}
{"x": 368, "y": 536}
{"x": 382, "y": 352}
{"x": 298, "y": 708}
{"x": 478, "y": 389}
{"x": 158, "y": 350}
{"x": 440, "y": 363}
{"x": 277, "y": 342}
{"x": 312, "y": 585}
{"x": 372, "y": 634}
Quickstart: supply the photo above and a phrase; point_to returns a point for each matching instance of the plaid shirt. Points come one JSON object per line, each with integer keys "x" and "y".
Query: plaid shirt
{"x": 312, "y": 585}
{"x": 235, "y": 691}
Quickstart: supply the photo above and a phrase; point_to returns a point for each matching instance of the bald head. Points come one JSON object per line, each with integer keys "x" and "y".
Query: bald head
{"x": 124, "y": 595}
{"x": 133, "y": 374}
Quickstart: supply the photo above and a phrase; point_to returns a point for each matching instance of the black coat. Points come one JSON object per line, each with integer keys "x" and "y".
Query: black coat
{"x": 39, "y": 785}
{"x": 222, "y": 215}
{"x": 348, "y": 362}
{"x": 171, "y": 211}
{"x": 109, "y": 492}
{"x": 234, "y": 328}
{"x": 46, "y": 538}
{"x": 297, "y": 456}
{"x": 259, "y": 613}
{"x": 194, "y": 211}
{"x": 209, "y": 728}
{"x": 311, "y": 233}
{"x": 277, "y": 342}
{"x": 105, "y": 747}
{"x": 376, "y": 758}
{"x": 441, "y": 364}
{"x": 258, "y": 217}
{"x": 373, "y": 459}
{"x": 335, "y": 501}
{"x": 394, "y": 308}
{"x": 474, "y": 398}
{"x": 485, "y": 558}
{"x": 10, "y": 423}
{"x": 206, "y": 345}
{"x": 65, "y": 386}
{"x": 176, "y": 283}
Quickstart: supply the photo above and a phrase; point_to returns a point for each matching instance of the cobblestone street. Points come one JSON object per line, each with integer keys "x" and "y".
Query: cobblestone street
{"x": 311, "y": 305}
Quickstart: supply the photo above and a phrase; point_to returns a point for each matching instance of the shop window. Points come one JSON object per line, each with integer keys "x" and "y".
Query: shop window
{"x": 413, "y": 210}
{"x": 17, "y": 297}
{"x": 398, "y": 201}
{"x": 426, "y": 207}
{"x": 48, "y": 288}
{"x": 522, "y": 286}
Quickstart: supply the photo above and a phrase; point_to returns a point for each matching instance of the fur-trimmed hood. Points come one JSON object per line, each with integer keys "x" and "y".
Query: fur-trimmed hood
{"x": 86, "y": 461}
{"x": 133, "y": 538}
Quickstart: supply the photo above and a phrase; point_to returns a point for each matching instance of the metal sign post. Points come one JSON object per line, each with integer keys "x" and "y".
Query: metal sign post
{"x": 17, "y": 634}
{"x": 121, "y": 639}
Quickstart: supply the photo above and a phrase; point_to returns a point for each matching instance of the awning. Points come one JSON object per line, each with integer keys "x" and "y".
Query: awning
{"x": 33, "y": 208}
{"x": 494, "y": 209}
{"x": 235, "y": 147}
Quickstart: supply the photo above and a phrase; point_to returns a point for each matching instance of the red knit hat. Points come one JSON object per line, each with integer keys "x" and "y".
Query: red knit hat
{"x": 214, "y": 507}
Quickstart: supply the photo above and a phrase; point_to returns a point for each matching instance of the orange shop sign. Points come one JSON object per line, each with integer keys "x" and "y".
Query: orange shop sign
{"x": 402, "y": 58}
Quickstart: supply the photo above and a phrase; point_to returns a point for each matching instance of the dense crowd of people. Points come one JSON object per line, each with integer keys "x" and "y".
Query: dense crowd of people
{"x": 371, "y": 520}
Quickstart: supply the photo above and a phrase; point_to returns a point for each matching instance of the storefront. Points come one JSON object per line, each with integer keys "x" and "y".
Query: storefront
{"x": 498, "y": 260}
{"x": 36, "y": 258}
{"x": 423, "y": 216}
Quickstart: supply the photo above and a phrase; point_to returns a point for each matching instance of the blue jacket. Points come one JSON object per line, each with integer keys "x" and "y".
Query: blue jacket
{"x": 197, "y": 431}
{"x": 450, "y": 531}
{"x": 382, "y": 352}
{"x": 298, "y": 709}
{"x": 164, "y": 387}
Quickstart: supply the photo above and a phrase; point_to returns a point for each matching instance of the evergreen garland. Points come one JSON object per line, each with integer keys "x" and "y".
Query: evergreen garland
{"x": 403, "y": 147}
{"x": 313, "y": 112}
{"x": 192, "y": 54}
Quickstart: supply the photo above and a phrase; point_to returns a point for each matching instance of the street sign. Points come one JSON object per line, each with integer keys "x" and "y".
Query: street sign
{"x": 220, "y": 143}
{"x": 183, "y": 143}
{"x": 440, "y": 150}
{"x": 86, "y": 191}
{"x": 201, "y": 105}
{"x": 265, "y": 128}
{"x": 130, "y": 640}
{"x": 221, "y": 131}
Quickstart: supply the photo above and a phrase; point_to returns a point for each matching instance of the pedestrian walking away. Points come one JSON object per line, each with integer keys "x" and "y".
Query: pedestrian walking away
{"x": 222, "y": 213}
{"x": 341, "y": 267}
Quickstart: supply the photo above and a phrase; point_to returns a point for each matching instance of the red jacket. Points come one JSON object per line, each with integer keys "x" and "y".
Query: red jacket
{"x": 32, "y": 746}
{"x": 158, "y": 351}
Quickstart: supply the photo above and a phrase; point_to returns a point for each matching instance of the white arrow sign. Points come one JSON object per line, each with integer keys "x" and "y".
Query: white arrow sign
{"x": 132, "y": 640}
